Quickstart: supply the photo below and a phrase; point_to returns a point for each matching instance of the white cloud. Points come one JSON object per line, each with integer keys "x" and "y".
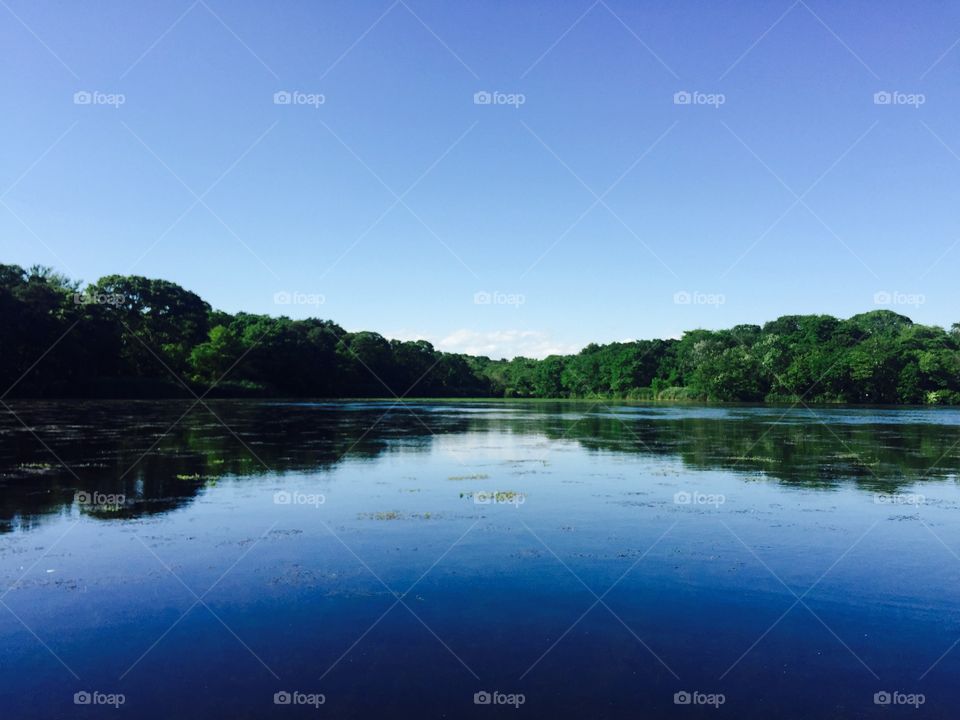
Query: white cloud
{"x": 505, "y": 344}
{"x": 495, "y": 344}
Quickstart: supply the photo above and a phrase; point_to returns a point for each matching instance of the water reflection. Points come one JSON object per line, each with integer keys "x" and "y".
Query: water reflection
{"x": 58, "y": 458}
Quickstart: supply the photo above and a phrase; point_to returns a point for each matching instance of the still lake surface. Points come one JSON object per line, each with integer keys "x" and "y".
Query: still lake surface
{"x": 588, "y": 560}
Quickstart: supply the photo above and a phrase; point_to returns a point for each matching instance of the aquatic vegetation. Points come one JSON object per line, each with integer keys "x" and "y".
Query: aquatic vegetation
{"x": 36, "y": 469}
{"x": 397, "y": 515}
{"x": 383, "y": 515}
{"x": 477, "y": 476}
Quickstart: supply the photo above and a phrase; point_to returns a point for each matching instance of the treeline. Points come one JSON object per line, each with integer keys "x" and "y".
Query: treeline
{"x": 130, "y": 336}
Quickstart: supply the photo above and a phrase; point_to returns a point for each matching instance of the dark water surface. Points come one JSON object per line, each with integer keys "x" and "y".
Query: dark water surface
{"x": 589, "y": 560}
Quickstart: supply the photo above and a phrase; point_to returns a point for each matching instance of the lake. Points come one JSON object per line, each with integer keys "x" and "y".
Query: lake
{"x": 478, "y": 559}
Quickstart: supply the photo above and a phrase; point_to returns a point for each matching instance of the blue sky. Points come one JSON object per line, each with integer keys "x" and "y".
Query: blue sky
{"x": 598, "y": 209}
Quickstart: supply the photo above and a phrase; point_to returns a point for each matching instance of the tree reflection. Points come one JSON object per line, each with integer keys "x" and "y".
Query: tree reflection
{"x": 161, "y": 455}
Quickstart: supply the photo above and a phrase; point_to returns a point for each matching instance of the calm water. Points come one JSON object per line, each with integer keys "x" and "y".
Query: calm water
{"x": 587, "y": 561}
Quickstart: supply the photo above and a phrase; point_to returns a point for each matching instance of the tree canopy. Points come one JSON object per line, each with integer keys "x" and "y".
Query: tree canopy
{"x": 131, "y": 336}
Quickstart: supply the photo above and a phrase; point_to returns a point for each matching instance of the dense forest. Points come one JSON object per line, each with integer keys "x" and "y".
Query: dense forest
{"x": 130, "y": 336}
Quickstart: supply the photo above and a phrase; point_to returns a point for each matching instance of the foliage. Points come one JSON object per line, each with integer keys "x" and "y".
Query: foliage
{"x": 134, "y": 336}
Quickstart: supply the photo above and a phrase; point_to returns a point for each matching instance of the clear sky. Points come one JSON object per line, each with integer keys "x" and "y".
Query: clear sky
{"x": 585, "y": 201}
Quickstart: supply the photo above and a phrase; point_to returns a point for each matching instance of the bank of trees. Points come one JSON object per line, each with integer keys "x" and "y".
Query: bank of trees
{"x": 129, "y": 336}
